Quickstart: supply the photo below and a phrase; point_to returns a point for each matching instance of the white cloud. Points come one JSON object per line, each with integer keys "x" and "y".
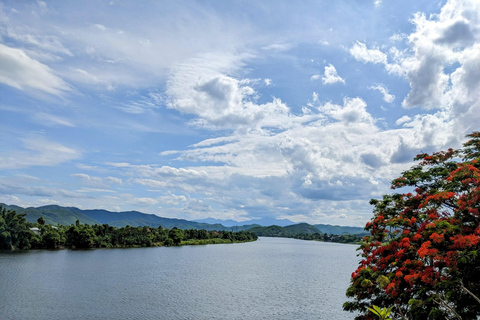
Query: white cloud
{"x": 330, "y": 75}
{"x": 143, "y": 201}
{"x": 437, "y": 43}
{"x": 38, "y": 151}
{"x": 403, "y": 120}
{"x": 202, "y": 88}
{"x": 51, "y": 120}
{"x": 97, "y": 182}
{"x": 265, "y": 157}
{"x": 353, "y": 110}
{"x": 20, "y": 71}
{"x": 360, "y": 52}
{"x": 384, "y": 91}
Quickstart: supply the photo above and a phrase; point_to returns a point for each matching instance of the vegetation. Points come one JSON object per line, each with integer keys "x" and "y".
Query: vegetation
{"x": 341, "y": 230}
{"x": 16, "y": 234}
{"x": 422, "y": 255}
{"x": 14, "y": 231}
{"x": 54, "y": 214}
{"x": 381, "y": 313}
{"x": 303, "y": 231}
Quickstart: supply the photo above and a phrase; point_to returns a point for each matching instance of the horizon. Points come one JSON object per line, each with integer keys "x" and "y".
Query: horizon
{"x": 261, "y": 222}
{"x": 230, "y": 110}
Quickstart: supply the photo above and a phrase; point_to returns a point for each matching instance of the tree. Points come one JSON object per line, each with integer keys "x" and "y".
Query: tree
{"x": 176, "y": 235}
{"x": 79, "y": 236}
{"x": 14, "y": 231}
{"x": 51, "y": 239}
{"x": 41, "y": 221}
{"x": 422, "y": 254}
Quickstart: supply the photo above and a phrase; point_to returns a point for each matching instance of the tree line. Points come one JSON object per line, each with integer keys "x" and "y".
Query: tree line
{"x": 301, "y": 232}
{"x": 16, "y": 233}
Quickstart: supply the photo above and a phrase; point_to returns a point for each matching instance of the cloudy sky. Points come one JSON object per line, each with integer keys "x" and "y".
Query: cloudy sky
{"x": 300, "y": 110}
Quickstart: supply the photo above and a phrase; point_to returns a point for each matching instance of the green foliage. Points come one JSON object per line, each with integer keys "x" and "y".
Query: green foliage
{"x": 15, "y": 234}
{"x": 341, "y": 230}
{"x": 303, "y": 231}
{"x": 41, "y": 221}
{"x": 421, "y": 256}
{"x": 176, "y": 235}
{"x": 14, "y": 231}
{"x": 381, "y": 313}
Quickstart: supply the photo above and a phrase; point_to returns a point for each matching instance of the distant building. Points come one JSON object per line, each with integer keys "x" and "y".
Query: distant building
{"x": 35, "y": 230}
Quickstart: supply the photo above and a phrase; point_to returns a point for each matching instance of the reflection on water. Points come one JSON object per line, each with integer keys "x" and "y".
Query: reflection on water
{"x": 272, "y": 278}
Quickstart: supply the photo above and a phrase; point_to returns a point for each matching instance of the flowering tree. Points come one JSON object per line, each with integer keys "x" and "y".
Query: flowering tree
{"x": 422, "y": 255}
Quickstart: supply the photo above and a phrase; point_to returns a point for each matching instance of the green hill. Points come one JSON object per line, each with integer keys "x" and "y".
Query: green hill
{"x": 292, "y": 231}
{"x": 54, "y": 215}
{"x": 302, "y": 228}
{"x": 271, "y": 231}
{"x": 341, "y": 230}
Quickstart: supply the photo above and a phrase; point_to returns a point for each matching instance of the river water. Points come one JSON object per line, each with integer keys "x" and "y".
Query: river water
{"x": 272, "y": 278}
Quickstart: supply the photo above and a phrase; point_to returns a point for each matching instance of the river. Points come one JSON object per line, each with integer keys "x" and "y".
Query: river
{"x": 272, "y": 278}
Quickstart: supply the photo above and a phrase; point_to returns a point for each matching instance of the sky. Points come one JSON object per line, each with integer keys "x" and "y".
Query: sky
{"x": 240, "y": 110}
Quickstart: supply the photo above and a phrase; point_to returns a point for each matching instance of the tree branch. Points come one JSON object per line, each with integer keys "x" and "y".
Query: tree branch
{"x": 468, "y": 291}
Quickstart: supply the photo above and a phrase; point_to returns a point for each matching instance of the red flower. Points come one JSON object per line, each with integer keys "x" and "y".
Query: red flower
{"x": 437, "y": 238}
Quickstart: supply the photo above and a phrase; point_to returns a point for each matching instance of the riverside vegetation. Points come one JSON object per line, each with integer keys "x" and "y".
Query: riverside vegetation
{"x": 16, "y": 233}
{"x": 305, "y": 231}
{"x": 421, "y": 259}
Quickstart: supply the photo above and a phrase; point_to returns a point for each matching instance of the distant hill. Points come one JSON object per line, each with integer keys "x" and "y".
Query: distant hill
{"x": 271, "y": 231}
{"x": 302, "y": 228}
{"x": 54, "y": 214}
{"x": 258, "y": 222}
{"x": 288, "y": 231}
{"x": 341, "y": 230}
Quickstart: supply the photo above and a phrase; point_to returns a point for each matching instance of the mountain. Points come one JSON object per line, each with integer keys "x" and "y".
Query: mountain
{"x": 256, "y": 222}
{"x": 226, "y": 223}
{"x": 341, "y": 230}
{"x": 302, "y": 228}
{"x": 287, "y": 231}
{"x": 54, "y": 214}
{"x": 271, "y": 231}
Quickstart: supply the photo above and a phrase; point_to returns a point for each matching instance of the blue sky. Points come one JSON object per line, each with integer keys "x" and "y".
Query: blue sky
{"x": 299, "y": 110}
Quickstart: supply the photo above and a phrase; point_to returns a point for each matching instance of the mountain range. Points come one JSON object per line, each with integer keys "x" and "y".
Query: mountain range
{"x": 54, "y": 214}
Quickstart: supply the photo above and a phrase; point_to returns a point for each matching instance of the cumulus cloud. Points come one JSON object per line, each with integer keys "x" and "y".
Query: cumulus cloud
{"x": 448, "y": 39}
{"x": 384, "y": 91}
{"x": 330, "y": 75}
{"x": 19, "y": 71}
{"x": 360, "y": 52}
{"x": 265, "y": 158}
{"x": 353, "y": 110}
{"x": 437, "y": 43}
{"x": 220, "y": 101}
{"x": 403, "y": 120}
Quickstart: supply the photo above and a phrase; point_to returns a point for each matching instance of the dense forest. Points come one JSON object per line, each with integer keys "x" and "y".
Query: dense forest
{"x": 16, "y": 233}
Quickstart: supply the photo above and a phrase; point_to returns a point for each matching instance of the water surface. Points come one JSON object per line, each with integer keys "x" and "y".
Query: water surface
{"x": 272, "y": 278}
